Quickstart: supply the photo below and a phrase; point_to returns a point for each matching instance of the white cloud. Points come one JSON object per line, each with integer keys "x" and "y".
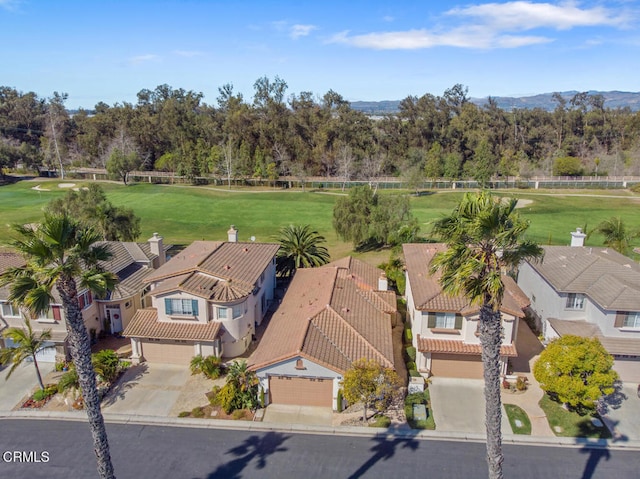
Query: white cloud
{"x": 10, "y": 5}
{"x": 143, "y": 59}
{"x": 188, "y": 53}
{"x": 298, "y": 30}
{"x": 492, "y": 25}
{"x": 528, "y": 15}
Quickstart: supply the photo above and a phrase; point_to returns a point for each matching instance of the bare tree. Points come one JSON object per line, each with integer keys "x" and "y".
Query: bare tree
{"x": 345, "y": 161}
{"x": 372, "y": 167}
{"x": 228, "y": 161}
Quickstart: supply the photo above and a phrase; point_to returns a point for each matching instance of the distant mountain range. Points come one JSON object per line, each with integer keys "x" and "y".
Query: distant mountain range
{"x": 613, "y": 99}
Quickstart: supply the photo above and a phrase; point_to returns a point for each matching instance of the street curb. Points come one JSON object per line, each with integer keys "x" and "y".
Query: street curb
{"x": 400, "y": 433}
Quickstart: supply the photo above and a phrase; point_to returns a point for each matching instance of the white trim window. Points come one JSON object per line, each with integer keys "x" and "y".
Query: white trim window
{"x": 237, "y": 311}
{"x": 9, "y": 310}
{"x": 181, "y": 307}
{"x": 445, "y": 320}
{"x": 632, "y": 320}
{"x": 221, "y": 313}
{"x": 85, "y": 299}
{"x": 575, "y": 301}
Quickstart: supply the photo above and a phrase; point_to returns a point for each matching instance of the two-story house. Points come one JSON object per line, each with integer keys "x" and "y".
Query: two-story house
{"x": 130, "y": 262}
{"x": 329, "y": 317}
{"x": 444, "y": 327}
{"x": 207, "y": 300}
{"x": 590, "y": 292}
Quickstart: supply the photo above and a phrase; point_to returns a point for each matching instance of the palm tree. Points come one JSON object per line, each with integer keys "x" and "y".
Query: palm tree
{"x": 615, "y": 234}
{"x": 300, "y": 248}
{"x": 27, "y": 344}
{"x": 483, "y": 235}
{"x": 59, "y": 253}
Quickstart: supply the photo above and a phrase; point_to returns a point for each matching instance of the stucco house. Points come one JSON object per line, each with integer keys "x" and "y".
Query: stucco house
{"x": 445, "y": 328}
{"x": 591, "y": 292}
{"x": 329, "y": 317}
{"x": 206, "y": 300}
{"x": 130, "y": 261}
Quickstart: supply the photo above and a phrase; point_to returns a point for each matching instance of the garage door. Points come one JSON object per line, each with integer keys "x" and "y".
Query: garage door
{"x": 301, "y": 391}
{"x": 628, "y": 369}
{"x": 168, "y": 352}
{"x": 46, "y": 354}
{"x": 453, "y": 366}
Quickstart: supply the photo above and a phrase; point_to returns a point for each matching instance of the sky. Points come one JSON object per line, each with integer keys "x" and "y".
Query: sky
{"x": 371, "y": 50}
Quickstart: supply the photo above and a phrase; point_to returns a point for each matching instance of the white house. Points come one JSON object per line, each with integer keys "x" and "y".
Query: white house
{"x": 445, "y": 328}
{"x": 591, "y": 292}
{"x": 206, "y": 300}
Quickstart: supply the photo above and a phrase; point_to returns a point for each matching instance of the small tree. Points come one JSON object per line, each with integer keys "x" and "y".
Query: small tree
{"x": 27, "y": 344}
{"x": 300, "y": 247}
{"x": 367, "y": 381}
{"x": 576, "y": 371}
{"x": 567, "y": 166}
{"x": 119, "y": 164}
{"x": 210, "y": 366}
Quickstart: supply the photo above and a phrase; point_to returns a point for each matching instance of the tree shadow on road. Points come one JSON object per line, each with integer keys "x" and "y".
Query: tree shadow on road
{"x": 126, "y": 382}
{"x": 384, "y": 449}
{"x": 254, "y": 447}
{"x": 595, "y": 455}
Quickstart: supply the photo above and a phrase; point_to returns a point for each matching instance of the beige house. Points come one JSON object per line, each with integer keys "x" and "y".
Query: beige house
{"x": 207, "y": 300}
{"x": 329, "y": 317}
{"x": 590, "y": 292}
{"x": 130, "y": 261}
{"x": 445, "y": 328}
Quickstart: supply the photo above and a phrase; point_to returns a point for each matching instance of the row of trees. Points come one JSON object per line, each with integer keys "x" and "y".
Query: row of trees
{"x": 303, "y": 134}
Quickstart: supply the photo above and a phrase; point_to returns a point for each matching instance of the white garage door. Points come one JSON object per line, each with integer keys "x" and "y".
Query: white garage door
{"x": 46, "y": 354}
{"x": 628, "y": 370}
{"x": 168, "y": 352}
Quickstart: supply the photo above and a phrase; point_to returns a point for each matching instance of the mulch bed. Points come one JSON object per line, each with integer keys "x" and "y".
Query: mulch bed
{"x": 216, "y": 412}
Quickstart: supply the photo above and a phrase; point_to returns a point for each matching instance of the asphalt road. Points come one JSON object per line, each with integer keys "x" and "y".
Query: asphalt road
{"x": 157, "y": 452}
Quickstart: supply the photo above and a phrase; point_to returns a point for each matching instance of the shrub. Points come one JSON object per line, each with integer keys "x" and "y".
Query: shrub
{"x": 339, "y": 400}
{"x": 380, "y": 421}
{"x": 45, "y": 393}
{"x": 411, "y": 353}
{"x": 414, "y": 373}
{"x": 210, "y": 366}
{"x": 60, "y": 365}
{"x": 408, "y": 335}
{"x": 197, "y": 412}
{"x": 635, "y": 188}
{"x": 262, "y": 398}
{"x": 214, "y": 396}
{"x": 521, "y": 383}
{"x": 184, "y": 414}
{"x": 125, "y": 364}
{"x": 227, "y": 397}
{"x": 411, "y": 366}
{"x": 239, "y": 414}
{"x": 68, "y": 380}
{"x": 106, "y": 364}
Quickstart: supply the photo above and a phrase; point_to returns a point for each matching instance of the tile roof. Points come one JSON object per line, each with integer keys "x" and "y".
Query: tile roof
{"x": 613, "y": 345}
{"x": 9, "y": 260}
{"x": 431, "y": 345}
{"x": 607, "y": 277}
{"x": 145, "y": 324}
{"x": 333, "y": 316}
{"x": 428, "y": 294}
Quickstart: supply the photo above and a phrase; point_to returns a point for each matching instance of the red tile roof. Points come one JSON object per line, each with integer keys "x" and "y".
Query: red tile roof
{"x": 333, "y": 316}
{"x": 428, "y": 294}
{"x": 145, "y": 324}
{"x": 431, "y": 345}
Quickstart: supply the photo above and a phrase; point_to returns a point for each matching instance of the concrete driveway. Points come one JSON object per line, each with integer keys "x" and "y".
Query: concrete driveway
{"x": 458, "y": 404}
{"x": 308, "y": 415}
{"x": 147, "y": 389}
{"x": 21, "y": 382}
{"x": 623, "y": 413}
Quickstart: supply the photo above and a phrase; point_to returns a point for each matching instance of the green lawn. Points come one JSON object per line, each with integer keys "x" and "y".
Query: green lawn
{"x": 184, "y": 213}
{"x": 571, "y": 423}
{"x": 515, "y": 412}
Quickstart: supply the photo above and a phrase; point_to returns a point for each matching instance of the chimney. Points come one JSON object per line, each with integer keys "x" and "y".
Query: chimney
{"x": 232, "y": 234}
{"x": 383, "y": 284}
{"x": 157, "y": 247}
{"x": 577, "y": 237}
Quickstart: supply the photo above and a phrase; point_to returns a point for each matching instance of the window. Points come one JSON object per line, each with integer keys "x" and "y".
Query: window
{"x": 185, "y": 307}
{"x": 9, "y": 309}
{"x": 632, "y": 320}
{"x": 221, "y": 313}
{"x": 52, "y": 314}
{"x": 575, "y": 301}
{"x": 85, "y": 299}
{"x": 237, "y": 311}
{"x": 445, "y": 320}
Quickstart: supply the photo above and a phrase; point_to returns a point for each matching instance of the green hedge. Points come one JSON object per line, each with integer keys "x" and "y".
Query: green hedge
{"x": 411, "y": 353}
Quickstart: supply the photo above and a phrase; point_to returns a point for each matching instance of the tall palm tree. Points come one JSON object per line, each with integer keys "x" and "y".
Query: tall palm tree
{"x": 615, "y": 234}
{"x": 300, "y": 248}
{"x": 60, "y": 253}
{"x": 26, "y": 345}
{"x": 483, "y": 235}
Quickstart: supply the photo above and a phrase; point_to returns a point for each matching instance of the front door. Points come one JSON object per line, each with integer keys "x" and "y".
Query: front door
{"x": 114, "y": 319}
